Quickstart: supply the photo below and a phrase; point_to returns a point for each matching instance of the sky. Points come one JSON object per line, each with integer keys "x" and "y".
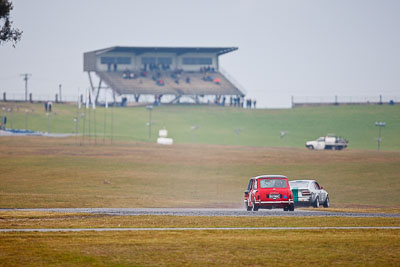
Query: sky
{"x": 310, "y": 49}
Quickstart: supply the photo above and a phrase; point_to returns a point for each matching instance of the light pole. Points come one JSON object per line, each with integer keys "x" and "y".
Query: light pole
{"x": 380, "y": 124}
{"x": 149, "y": 108}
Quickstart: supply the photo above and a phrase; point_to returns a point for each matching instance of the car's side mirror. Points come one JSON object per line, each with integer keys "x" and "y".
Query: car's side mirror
{"x": 322, "y": 187}
{"x": 246, "y": 193}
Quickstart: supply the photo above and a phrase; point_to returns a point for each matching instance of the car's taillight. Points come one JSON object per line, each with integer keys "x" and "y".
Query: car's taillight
{"x": 305, "y": 192}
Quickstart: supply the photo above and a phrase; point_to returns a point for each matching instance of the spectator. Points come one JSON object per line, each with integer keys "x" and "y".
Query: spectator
{"x": 188, "y": 79}
{"x": 45, "y": 107}
{"x": 126, "y": 74}
{"x": 254, "y": 103}
{"x": 160, "y": 82}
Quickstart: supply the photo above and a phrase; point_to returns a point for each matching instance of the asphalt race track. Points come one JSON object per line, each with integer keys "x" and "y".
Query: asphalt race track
{"x": 210, "y": 212}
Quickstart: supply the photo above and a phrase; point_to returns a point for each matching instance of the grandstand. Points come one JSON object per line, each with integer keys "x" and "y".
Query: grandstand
{"x": 161, "y": 71}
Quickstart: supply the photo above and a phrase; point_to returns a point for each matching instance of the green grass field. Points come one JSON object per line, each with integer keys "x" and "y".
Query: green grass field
{"x": 207, "y": 167}
{"x": 202, "y": 248}
{"x": 195, "y": 248}
{"x": 39, "y": 172}
{"x": 216, "y": 125}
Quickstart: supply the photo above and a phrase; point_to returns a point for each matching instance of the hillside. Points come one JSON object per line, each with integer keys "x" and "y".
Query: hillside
{"x": 217, "y": 125}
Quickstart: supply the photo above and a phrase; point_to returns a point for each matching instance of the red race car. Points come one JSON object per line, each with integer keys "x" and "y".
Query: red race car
{"x": 267, "y": 192}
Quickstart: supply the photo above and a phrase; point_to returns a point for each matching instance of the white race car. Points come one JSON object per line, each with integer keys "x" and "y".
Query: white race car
{"x": 309, "y": 193}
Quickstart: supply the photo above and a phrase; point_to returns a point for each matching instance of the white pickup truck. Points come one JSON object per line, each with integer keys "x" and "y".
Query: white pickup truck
{"x": 327, "y": 142}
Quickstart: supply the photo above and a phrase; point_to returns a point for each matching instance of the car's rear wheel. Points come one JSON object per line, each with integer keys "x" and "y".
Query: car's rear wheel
{"x": 327, "y": 203}
{"x": 285, "y": 208}
{"x": 311, "y": 147}
{"x": 316, "y": 203}
{"x": 291, "y": 207}
{"x": 247, "y": 206}
{"x": 254, "y": 207}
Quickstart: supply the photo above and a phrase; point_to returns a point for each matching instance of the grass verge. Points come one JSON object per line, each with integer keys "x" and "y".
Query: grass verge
{"x": 22, "y": 219}
{"x": 58, "y": 173}
{"x": 203, "y": 248}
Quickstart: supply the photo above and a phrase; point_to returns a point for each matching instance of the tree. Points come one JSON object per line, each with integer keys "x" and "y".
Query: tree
{"x": 7, "y": 33}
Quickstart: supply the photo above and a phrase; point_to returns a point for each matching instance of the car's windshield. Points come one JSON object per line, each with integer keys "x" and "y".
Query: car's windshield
{"x": 298, "y": 184}
{"x": 272, "y": 183}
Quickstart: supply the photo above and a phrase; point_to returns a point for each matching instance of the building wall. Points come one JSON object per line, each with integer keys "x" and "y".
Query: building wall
{"x": 139, "y": 64}
{"x": 120, "y": 67}
{"x": 89, "y": 61}
{"x": 196, "y": 67}
{"x": 136, "y": 61}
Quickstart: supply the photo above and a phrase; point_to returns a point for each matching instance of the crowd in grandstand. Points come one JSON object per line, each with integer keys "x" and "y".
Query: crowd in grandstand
{"x": 129, "y": 75}
{"x": 157, "y": 72}
{"x": 176, "y": 75}
{"x": 207, "y": 69}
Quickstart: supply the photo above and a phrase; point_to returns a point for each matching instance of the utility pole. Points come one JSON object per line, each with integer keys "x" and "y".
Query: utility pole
{"x": 26, "y": 78}
{"x": 59, "y": 89}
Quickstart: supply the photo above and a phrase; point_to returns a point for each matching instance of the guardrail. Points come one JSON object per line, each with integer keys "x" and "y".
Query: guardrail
{"x": 343, "y": 100}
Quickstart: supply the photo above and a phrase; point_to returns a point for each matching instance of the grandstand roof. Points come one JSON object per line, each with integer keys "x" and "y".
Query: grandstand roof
{"x": 179, "y": 50}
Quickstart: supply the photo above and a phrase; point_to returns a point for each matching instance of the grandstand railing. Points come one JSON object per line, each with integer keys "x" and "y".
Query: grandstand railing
{"x": 232, "y": 80}
{"x": 337, "y": 99}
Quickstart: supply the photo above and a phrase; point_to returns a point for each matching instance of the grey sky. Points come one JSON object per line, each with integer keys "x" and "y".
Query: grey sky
{"x": 301, "y": 48}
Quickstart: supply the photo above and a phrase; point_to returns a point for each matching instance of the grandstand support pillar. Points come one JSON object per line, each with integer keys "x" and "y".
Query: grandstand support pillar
{"x": 137, "y": 97}
{"x": 217, "y": 99}
{"x": 196, "y": 99}
{"x": 98, "y": 92}
{"x": 93, "y": 88}
{"x": 176, "y": 99}
{"x": 90, "y": 80}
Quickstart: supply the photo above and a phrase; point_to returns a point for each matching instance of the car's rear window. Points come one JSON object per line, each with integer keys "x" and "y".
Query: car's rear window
{"x": 273, "y": 183}
{"x": 298, "y": 184}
